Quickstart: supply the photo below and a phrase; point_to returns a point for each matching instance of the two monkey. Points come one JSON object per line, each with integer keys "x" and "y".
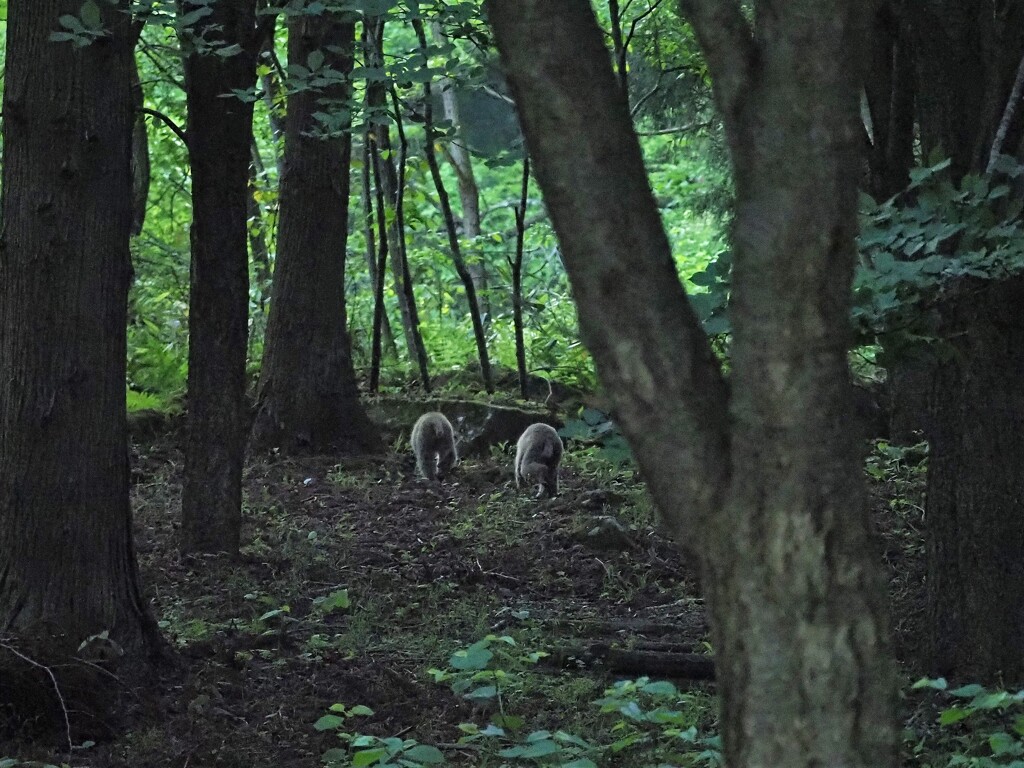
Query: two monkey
{"x": 538, "y": 452}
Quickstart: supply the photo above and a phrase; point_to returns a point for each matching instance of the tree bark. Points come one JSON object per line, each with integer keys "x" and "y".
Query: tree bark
{"x": 967, "y": 56}
{"x": 766, "y": 485}
{"x": 473, "y": 305}
{"x": 308, "y": 395}
{"x": 67, "y": 564}
{"x": 458, "y": 155}
{"x": 140, "y": 155}
{"x": 219, "y": 138}
{"x": 889, "y": 86}
{"x": 968, "y": 395}
{"x": 975, "y": 498}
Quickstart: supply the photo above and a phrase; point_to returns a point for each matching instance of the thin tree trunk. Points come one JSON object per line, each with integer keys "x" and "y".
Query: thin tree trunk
{"x": 257, "y": 228}
{"x": 401, "y": 257}
{"x": 365, "y": 196}
{"x": 517, "y": 280}
{"x": 382, "y": 258}
{"x": 618, "y": 47}
{"x": 386, "y": 177}
{"x": 219, "y": 137}
{"x": 449, "y": 220}
{"x": 308, "y": 396}
{"x": 458, "y": 155}
{"x": 140, "y": 155}
{"x": 67, "y": 564}
{"x": 765, "y": 484}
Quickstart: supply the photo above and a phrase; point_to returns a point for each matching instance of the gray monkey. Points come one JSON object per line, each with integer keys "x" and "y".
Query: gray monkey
{"x": 433, "y": 442}
{"x": 538, "y": 453}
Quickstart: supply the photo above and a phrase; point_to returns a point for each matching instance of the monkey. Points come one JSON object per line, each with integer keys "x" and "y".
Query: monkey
{"x": 433, "y": 442}
{"x": 538, "y": 453}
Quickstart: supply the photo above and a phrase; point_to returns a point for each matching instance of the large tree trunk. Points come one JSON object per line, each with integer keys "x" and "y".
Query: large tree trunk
{"x": 308, "y": 396}
{"x": 967, "y": 57}
{"x": 775, "y": 502}
{"x": 975, "y": 508}
{"x": 219, "y": 137}
{"x": 67, "y": 564}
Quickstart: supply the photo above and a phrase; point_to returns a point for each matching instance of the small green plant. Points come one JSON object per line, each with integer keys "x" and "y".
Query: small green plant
{"x": 664, "y": 720}
{"x": 365, "y": 750}
{"x": 983, "y": 728}
{"x": 593, "y": 427}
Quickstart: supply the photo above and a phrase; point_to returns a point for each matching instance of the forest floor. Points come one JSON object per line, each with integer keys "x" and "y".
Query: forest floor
{"x": 357, "y": 577}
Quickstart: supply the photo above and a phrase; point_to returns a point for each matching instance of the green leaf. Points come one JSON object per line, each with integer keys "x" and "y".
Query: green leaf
{"x": 660, "y": 688}
{"x": 360, "y": 709}
{"x": 537, "y": 749}
{"x": 315, "y": 60}
{"x": 471, "y": 658}
{"x": 425, "y": 753}
{"x": 90, "y": 14}
{"x": 327, "y": 722}
{"x": 954, "y": 715}
{"x": 1004, "y": 744}
{"x": 335, "y": 601}
{"x": 333, "y": 755}
{"x": 938, "y": 683}
{"x": 966, "y": 691}
{"x": 368, "y": 756}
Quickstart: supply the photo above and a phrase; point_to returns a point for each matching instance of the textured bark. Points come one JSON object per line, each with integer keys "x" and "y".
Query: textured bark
{"x": 308, "y": 396}
{"x": 968, "y": 396}
{"x": 140, "y": 155}
{"x": 219, "y": 137}
{"x": 389, "y": 191}
{"x": 889, "y": 86}
{"x": 975, "y": 507}
{"x": 67, "y": 563}
{"x": 967, "y": 56}
{"x": 766, "y": 486}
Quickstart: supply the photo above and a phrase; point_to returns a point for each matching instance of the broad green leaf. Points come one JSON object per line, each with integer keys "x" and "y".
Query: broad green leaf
{"x": 425, "y": 753}
{"x": 327, "y": 722}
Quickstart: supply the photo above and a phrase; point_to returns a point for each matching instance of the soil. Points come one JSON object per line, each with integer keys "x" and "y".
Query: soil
{"x": 428, "y": 569}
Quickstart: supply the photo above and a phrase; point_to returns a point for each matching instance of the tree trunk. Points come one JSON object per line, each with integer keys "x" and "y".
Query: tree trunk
{"x": 308, "y": 396}
{"x": 967, "y": 56}
{"x": 472, "y": 304}
{"x": 219, "y": 137}
{"x": 385, "y": 178}
{"x": 67, "y": 564}
{"x": 889, "y": 85}
{"x": 458, "y": 155}
{"x": 774, "y": 503}
{"x": 975, "y": 535}
{"x": 140, "y": 155}
{"x": 967, "y": 59}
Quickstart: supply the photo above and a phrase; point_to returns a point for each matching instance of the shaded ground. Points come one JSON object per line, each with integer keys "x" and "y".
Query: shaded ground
{"x": 264, "y": 647}
{"x": 427, "y": 569}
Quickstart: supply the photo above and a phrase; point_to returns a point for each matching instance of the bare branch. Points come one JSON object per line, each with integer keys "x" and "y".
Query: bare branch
{"x": 178, "y": 130}
{"x": 1004, "y": 123}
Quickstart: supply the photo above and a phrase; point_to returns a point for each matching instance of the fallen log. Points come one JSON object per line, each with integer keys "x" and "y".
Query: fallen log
{"x": 659, "y": 663}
